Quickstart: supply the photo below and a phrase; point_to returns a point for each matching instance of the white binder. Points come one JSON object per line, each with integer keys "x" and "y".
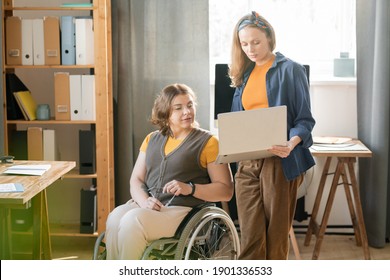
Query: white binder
{"x": 38, "y": 42}
{"x": 50, "y": 150}
{"x": 88, "y": 97}
{"x": 75, "y": 97}
{"x": 27, "y": 42}
{"x": 84, "y": 41}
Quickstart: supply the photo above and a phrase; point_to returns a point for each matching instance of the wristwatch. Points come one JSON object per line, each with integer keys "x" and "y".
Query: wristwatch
{"x": 193, "y": 187}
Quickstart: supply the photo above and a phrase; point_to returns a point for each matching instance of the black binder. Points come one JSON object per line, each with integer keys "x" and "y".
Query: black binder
{"x": 13, "y": 84}
{"x": 87, "y": 150}
{"x": 87, "y": 211}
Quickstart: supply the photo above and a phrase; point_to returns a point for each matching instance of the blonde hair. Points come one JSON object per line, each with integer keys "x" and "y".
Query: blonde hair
{"x": 240, "y": 61}
{"x": 162, "y": 108}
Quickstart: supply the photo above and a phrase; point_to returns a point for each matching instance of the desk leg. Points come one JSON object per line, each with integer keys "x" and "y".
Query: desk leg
{"x": 351, "y": 206}
{"x": 46, "y": 229}
{"x": 5, "y": 234}
{"x": 328, "y": 207}
{"x": 41, "y": 234}
{"x": 359, "y": 211}
{"x": 313, "y": 226}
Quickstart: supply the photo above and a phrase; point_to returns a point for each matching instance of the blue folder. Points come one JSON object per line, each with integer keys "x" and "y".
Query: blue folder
{"x": 68, "y": 40}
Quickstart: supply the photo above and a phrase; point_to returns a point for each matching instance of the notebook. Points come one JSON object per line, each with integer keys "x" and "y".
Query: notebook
{"x": 246, "y": 135}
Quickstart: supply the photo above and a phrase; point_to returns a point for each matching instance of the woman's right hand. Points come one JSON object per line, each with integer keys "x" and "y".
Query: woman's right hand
{"x": 151, "y": 203}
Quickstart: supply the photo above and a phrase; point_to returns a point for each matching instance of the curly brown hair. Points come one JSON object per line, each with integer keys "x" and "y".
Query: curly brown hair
{"x": 162, "y": 108}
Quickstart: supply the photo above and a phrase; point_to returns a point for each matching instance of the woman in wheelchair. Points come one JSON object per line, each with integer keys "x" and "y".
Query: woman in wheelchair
{"x": 174, "y": 172}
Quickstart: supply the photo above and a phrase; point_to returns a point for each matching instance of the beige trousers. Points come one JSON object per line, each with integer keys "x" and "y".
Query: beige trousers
{"x": 129, "y": 228}
{"x": 266, "y": 204}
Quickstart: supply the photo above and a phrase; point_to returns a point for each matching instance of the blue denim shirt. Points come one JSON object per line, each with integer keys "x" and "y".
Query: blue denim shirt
{"x": 287, "y": 84}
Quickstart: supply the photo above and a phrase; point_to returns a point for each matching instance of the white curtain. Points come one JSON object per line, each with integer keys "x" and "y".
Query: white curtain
{"x": 373, "y": 89}
{"x": 155, "y": 43}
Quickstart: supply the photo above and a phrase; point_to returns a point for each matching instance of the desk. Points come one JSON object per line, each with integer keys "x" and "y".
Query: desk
{"x": 34, "y": 195}
{"x": 345, "y": 164}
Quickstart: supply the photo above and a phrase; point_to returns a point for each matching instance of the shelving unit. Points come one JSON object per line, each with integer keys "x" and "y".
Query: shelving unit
{"x": 103, "y": 125}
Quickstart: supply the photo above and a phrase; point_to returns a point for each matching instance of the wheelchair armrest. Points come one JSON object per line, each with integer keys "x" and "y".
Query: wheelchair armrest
{"x": 190, "y": 214}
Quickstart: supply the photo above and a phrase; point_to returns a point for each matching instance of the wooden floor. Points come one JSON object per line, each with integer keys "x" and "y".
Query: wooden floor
{"x": 334, "y": 247}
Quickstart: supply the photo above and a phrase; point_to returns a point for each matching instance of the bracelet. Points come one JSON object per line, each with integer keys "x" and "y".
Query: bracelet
{"x": 193, "y": 187}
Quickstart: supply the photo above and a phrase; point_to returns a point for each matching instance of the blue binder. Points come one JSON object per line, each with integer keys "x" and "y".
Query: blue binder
{"x": 68, "y": 40}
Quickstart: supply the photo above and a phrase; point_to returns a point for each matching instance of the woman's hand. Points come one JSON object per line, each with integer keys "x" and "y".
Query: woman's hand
{"x": 281, "y": 151}
{"x": 151, "y": 203}
{"x": 284, "y": 151}
{"x": 177, "y": 188}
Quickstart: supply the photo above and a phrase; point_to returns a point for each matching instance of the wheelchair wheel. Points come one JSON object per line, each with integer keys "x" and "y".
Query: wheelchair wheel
{"x": 209, "y": 235}
{"x": 99, "y": 250}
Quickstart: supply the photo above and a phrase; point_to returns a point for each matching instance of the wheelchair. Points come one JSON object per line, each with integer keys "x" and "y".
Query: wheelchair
{"x": 206, "y": 233}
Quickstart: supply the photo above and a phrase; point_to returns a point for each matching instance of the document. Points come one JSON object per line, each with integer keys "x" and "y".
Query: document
{"x": 50, "y": 150}
{"x": 28, "y": 169}
{"x": 330, "y": 140}
{"x": 51, "y": 27}
{"x": 84, "y": 41}
{"x": 38, "y": 42}
{"x": 27, "y": 41}
{"x": 34, "y": 143}
{"x": 88, "y": 101}
{"x": 68, "y": 40}
{"x": 75, "y": 97}
{"x": 330, "y": 143}
{"x": 61, "y": 96}
{"x": 13, "y": 40}
{"x": 27, "y": 103}
{"x": 339, "y": 147}
{"x": 11, "y": 187}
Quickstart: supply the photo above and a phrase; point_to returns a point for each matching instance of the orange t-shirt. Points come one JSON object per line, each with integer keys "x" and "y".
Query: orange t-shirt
{"x": 255, "y": 91}
{"x": 208, "y": 154}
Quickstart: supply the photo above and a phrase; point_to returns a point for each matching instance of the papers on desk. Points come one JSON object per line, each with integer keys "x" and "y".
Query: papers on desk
{"x": 339, "y": 147}
{"x": 11, "y": 187}
{"x": 326, "y": 143}
{"x": 330, "y": 140}
{"x": 28, "y": 169}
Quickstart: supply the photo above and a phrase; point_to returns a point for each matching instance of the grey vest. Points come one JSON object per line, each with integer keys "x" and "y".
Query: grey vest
{"x": 182, "y": 164}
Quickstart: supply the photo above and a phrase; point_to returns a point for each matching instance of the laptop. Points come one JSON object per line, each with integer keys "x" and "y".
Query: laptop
{"x": 246, "y": 135}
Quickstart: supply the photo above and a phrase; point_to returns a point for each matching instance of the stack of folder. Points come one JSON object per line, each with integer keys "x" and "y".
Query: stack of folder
{"x": 42, "y": 144}
{"x": 67, "y": 40}
{"x": 34, "y": 143}
{"x": 74, "y": 97}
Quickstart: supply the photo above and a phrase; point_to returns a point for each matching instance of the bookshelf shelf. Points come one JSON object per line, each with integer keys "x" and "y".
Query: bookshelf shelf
{"x": 43, "y": 76}
{"x": 32, "y": 9}
{"x": 48, "y": 66}
{"x": 54, "y": 122}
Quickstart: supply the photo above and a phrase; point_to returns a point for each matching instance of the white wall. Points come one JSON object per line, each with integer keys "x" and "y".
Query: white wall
{"x": 334, "y": 108}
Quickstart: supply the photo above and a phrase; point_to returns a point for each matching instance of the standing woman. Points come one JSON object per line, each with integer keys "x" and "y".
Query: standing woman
{"x": 266, "y": 189}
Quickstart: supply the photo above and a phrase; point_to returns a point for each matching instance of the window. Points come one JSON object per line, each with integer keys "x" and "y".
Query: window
{"x": 310, "y": 32}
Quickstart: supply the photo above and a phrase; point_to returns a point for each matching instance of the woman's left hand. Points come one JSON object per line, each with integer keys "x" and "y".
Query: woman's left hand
{"x": 176, "y": 187}
{"x": 281, "y": 151}
{"x": 284, "y": 151}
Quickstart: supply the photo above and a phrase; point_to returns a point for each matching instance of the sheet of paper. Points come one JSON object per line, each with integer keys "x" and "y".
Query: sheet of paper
{"x": 28, "y": 169}
{"x": 339, "y": 147}
{"x": 11, "y": 187}
{"x": 330, "y": 140}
